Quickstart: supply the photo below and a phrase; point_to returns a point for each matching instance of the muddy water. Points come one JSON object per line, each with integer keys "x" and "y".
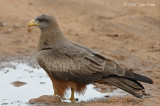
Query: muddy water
{"x": 20, "y": 82}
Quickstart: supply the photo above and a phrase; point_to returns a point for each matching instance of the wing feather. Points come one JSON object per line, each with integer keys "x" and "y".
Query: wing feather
{"x": 71, "y": 62}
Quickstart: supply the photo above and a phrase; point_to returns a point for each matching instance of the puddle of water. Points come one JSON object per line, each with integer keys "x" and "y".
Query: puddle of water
{"x": 37, "y": 84}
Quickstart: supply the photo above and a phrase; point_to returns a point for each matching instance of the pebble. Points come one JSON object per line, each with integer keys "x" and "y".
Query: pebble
{"x": 10, "y": 30}
{"x": 3, "y": 24}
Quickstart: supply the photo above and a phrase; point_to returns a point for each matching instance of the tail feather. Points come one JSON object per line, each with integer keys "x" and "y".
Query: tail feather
{"x": 131, "y": 86}
{"x": 132, "y": 75}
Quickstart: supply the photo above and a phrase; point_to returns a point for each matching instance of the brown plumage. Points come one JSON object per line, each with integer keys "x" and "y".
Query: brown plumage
{"x": 74, "y": 66}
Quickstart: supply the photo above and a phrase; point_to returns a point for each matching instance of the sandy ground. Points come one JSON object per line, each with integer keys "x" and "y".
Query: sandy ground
{"x": 128, "y": 34}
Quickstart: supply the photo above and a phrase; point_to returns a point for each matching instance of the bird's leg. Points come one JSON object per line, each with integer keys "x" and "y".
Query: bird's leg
{"x": 55, "y": 93}
{"x": 72, "y": 94}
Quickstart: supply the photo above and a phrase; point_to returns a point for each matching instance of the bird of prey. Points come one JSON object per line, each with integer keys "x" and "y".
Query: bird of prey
{"x": 73, "y": 66}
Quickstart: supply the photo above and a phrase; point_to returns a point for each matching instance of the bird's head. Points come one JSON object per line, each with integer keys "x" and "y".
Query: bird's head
{"x": 44, "y": 22}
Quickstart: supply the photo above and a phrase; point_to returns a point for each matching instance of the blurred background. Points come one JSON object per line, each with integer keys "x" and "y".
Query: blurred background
{"x": 120, "y": 29}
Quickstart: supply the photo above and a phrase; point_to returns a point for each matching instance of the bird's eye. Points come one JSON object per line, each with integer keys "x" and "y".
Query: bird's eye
{"x": 40, "y": 20}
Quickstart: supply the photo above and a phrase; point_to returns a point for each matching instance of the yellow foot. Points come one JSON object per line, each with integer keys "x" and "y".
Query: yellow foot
{"x": 54, "y": 94}
{"x": 73, "y": 99}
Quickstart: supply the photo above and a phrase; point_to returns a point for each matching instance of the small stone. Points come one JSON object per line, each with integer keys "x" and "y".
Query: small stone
{"x": 42, "y": 82}
{"x": 3, "y": 24}
{"x": 6, "y": 71}
{"x": 46, "y": 99}
{"x": 18, "y": 83}
{"x": 10, "y": 29}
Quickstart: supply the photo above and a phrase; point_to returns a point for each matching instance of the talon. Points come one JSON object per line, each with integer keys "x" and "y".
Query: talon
{"x": 73, "y": 99}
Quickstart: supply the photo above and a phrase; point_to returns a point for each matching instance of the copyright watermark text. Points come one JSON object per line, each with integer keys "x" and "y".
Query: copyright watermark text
{"x": 139, "y": 4}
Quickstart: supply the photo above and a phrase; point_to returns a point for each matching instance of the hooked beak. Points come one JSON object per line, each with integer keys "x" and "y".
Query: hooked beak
{"x": 33, "y": 23}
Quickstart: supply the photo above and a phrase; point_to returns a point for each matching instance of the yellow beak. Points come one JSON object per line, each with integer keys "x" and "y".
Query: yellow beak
{"x": 33, "y": 23}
